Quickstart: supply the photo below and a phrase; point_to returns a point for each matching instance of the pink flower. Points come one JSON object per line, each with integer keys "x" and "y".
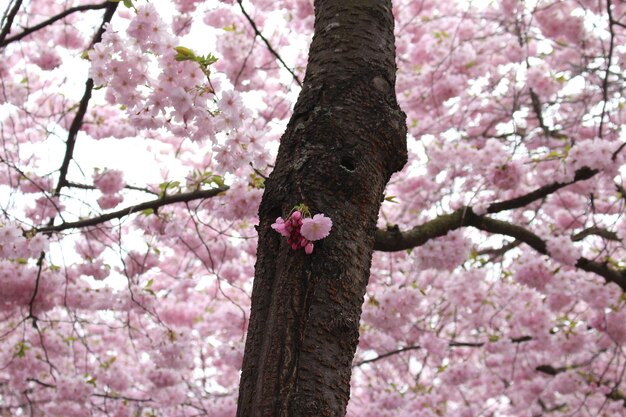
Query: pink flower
{"x": 308, "y": 249}
{"x": 562, "y": 249}
{"x": 108, "y": 201}
{"x": 615, "y": 326}
{"x": 47, "y": 60}
{"x": 316, "y": 228}
{"x": 507, "y": 176}
{"x": 109, "y": 182}
{"x": 445, "y": 252}
{"x": 163, "y": 377}
{"x": 281, "y": 227}
{"x": 300, "y": 231}
{"x": 532, "y": 271}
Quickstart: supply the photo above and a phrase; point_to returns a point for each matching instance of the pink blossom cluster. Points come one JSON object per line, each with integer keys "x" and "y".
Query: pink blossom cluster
{"x": 45, "y": 207}
{"x": 14, "y": 245}
{"x": 507, "y": 176}
{"x": 532, "y": 271}
{"x": 159, "y": 91}
{"x": 594, "y": 154}
{"x": 539, "y": 78}
{"x": 446, "y": 252}
{"x": 302, "y": 231}
{"x": 109, "y": 181}
{"x": 562, "y": 249}
{"x": 560, "y": 24}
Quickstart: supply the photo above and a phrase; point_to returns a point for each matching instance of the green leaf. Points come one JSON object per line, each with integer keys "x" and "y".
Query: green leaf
{"x": 22, "y": 348}
{"x": 391, "y": 199}
{"x": 91, "y": 380}
{"x": 184, "y": 54}
{"x": 257, "y": 181}
{"x": 373, "y": 301}
{"x": 147, "y": 212}
{"x": 217, "y": 180}
{"x": 107, "y": 364}
{"x": 207, "y": 60}
{"x": 440, "y": 35}
{"x": 470, "y": 64}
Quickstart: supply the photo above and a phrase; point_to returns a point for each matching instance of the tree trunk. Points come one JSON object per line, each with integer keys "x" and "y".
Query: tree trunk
{"x": 346, "y": 137}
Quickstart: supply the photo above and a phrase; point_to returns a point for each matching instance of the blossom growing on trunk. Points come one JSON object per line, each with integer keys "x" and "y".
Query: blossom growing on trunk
{"x": 316, "y": 228}
{"x": 302, "y": 231}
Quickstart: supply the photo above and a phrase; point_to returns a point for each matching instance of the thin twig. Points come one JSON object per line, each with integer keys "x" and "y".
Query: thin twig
{"x": 258, "y": 33}
{"x": 580, "y": 175}
{"x": 521, "y": 339}
{"x": 605, "y": 82}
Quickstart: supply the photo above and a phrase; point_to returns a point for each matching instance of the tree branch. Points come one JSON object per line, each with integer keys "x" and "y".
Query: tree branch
{"x": 65, "y": 13}
{"x": 498, "y": 226}
{"x": 494, "y": 253}
{"x": 9, "y": 22}
{"x": 521, "y": 339}
{"x": 153, "y": 204}
{"x": 605, "y": 81}
{"x": 596, "y": 231}
{"x": 539, "y": 113}
{"x": 258, "y": 33}
{"x": 82, "y": 107}
{"x": 394, "y": 240}
{"x": 580, "y": 175}
{"x": 128, "y": 187}
{"x": 550, "y": 370}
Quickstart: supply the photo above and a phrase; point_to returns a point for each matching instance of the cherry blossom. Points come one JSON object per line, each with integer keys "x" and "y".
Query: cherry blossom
{"x": 109, "y": 181}
{"x": 129, "y": 207}
{"x": 302, "y": 231}
{"x": 316, "y": 228}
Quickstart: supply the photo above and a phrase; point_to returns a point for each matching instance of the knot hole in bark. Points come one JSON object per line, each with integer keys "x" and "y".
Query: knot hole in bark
{"x": 347, "y": 163}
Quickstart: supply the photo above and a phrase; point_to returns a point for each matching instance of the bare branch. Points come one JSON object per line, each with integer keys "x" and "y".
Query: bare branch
{"x": 539, "y": 113}
{"x": 153, "y": 205}
{"x": 605, "y": 81}
{"x": 596, "y": 231}
{"x": 71, "y": 184}
{"x": 39, "y": 26}
{"x": 580, "y": 175}
{"x": 258, "y": 33}
{"x": 494, "y": 253}
{"x": 9, "y": 21}
{"x": 453, "y": 344}
{"x": 31, "y": 304}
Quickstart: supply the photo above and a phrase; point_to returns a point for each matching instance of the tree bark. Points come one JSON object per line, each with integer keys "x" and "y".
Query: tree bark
{"x": 346, "y": 137}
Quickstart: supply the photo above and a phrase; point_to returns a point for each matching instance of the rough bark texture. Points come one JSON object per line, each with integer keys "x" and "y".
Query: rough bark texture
{"x": 346, "y": 137}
